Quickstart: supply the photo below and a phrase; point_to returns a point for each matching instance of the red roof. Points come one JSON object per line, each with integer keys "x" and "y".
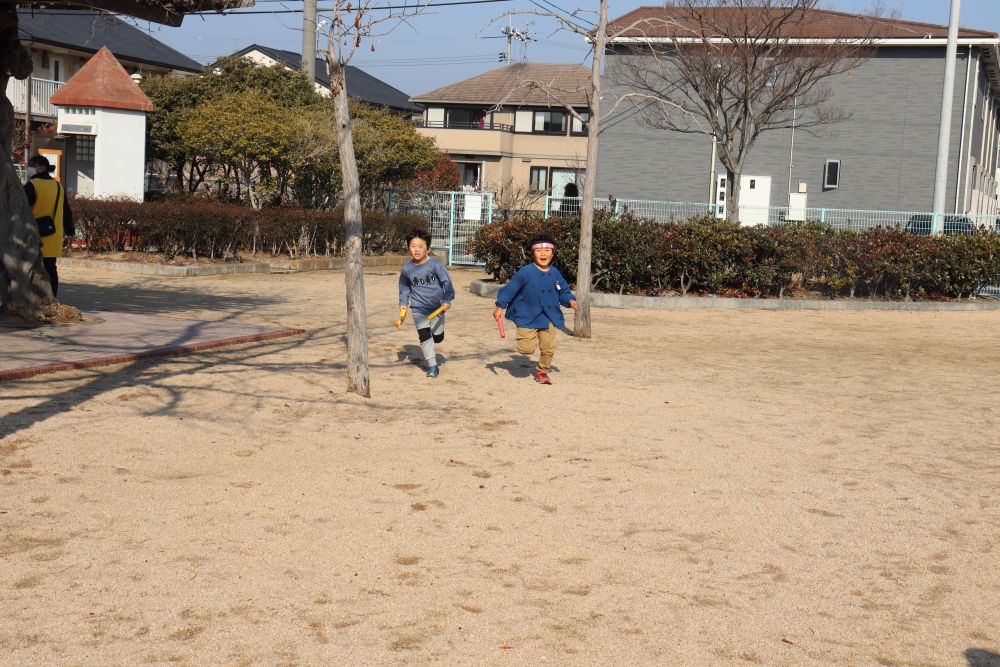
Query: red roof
{"x": 672, "y": 22}
{"x": 102, "y": 82}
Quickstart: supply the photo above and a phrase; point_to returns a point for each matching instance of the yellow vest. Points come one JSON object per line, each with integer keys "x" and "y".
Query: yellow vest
{"x": 45, "y": 201}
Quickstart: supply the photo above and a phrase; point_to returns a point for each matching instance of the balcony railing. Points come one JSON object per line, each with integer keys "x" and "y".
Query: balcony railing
{"x": 41, "y": 91}
{"x": 464, "y": 125}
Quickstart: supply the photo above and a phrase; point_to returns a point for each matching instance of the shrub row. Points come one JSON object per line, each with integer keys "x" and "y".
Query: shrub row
{"x": 709, "y": 256}
{"x": 200, "y": 227}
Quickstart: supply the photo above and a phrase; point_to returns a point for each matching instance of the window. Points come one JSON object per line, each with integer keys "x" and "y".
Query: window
{"x": 469, "y": 172}
{"x": 831, "y": 175}
{"x": 539, "y": 179}
{"x": 55, "y": 70}
{"x": 85, "y": 149}
{"x": 577, "y": 126}
{"x": 466, "y": 118}
{"x": 550, "y": 122}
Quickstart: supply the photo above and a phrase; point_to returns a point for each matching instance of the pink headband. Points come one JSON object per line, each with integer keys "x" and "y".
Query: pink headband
{"x": 542, "y": 245}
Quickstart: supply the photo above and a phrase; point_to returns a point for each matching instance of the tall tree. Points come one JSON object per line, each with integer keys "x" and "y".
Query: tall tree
{"x": 177, "y": 98}
{"x": 736, "y": 69}
{"x": 24, "y": 289}
{"x": 351, "y": 25}
{"x": 247, "y": 132}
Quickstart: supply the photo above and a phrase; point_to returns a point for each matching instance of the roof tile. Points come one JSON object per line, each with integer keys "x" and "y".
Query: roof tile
{"x": 102, "y": 82}
{"x": 506, "y": 85}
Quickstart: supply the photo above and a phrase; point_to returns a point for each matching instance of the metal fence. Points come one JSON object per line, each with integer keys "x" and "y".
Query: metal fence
{"x": 919, "y": 222}
{"x": 452, "y": 217}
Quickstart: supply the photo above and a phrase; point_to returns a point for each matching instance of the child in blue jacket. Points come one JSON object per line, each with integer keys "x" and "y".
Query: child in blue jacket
{"x": 532, "y": 299}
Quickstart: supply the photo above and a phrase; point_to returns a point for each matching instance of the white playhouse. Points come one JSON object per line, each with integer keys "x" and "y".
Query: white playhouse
{"x": 102, "y": 115}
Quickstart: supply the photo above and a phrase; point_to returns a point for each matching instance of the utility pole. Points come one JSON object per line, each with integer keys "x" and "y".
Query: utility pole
{"x": 944, "y": 132}
{"x": 308, "y": 64}
{"x": 512, "y": 33}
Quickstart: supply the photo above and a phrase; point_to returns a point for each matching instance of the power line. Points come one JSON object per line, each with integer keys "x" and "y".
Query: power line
{"x": 569, "y": 17}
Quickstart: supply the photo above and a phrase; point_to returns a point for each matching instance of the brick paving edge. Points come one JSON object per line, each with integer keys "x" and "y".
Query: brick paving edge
{"x": 96, "y": 362}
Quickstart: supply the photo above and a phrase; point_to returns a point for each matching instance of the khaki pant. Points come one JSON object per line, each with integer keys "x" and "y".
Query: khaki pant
{"x": 544, "y": 339}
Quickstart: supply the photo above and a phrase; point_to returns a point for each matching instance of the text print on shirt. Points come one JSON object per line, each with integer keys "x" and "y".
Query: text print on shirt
{"x": 426, "y": 279}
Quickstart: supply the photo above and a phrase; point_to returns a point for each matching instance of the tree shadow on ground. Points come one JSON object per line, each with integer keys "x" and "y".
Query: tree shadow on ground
{"x": 159, "y": 373}
{"x": 978, "y": 657}
{"x": 130, "y": 298}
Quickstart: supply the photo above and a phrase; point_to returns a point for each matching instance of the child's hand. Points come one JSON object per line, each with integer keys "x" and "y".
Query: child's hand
{"x": 573, "y": 304}
{"x": 446, "y": 306}
{"x": 498, "y": 313}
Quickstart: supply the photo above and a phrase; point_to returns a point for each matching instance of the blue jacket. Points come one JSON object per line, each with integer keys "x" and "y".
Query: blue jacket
{"x": 532, "y": 297}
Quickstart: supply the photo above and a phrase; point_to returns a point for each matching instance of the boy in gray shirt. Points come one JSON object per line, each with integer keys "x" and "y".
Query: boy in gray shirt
{"x": 425, "y": 286}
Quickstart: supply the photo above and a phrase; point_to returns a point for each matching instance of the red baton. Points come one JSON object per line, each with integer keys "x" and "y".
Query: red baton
{"x": 500, "y": 327}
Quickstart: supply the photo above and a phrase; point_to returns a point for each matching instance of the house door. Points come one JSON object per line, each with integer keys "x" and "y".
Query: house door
{"x": 755, "y": 199}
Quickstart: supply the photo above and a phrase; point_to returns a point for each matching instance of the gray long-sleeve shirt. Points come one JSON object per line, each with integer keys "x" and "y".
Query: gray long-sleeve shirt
{"x": 424, "y": 287}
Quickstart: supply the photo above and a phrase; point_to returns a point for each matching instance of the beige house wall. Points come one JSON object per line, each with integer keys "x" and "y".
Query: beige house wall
{"x": 507, "y": 157}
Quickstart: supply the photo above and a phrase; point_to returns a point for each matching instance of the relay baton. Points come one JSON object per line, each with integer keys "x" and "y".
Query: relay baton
{"x": 500, "y": 327}
{"x": 402, "y": 315}
{"x": 435, "y": 313}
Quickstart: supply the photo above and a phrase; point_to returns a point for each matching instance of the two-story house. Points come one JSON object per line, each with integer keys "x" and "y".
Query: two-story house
{"x": 504, "y": 132}
{"x": 882, "y": 157}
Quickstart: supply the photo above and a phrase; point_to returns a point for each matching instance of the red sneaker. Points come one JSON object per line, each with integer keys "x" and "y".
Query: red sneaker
{"x": 541, "y": 377}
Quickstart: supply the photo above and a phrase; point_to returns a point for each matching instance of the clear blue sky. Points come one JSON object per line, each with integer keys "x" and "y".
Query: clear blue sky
{"x": 448, "y": 44}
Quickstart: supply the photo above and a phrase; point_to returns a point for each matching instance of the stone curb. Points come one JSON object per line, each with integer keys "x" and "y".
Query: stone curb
{"x": 601, "y": 300}
{"x": 196, "y": 270}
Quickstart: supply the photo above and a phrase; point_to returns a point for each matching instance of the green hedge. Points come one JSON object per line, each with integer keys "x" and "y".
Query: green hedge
{"x": 709, "y": 256}
{"x": 199, "y": 227}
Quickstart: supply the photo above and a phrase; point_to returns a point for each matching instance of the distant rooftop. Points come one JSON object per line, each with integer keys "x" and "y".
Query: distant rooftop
{"x": 678, "y": 22}
{"x": 361, "y": 85}
{"x": 507, "y": 84}
{"x": 88, "y": 31}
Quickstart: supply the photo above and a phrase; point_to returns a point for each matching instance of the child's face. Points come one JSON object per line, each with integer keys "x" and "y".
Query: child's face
{"x": 418, "y": 249}
{"x": 543, "y": 256}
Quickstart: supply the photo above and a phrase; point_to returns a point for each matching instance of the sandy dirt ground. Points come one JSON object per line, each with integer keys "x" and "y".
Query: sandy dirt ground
{"x": 696, "y": 488}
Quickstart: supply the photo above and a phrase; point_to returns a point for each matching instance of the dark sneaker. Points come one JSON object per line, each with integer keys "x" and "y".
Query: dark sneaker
{"x": 541, "y": 377}
{"x": 432, "y": 372}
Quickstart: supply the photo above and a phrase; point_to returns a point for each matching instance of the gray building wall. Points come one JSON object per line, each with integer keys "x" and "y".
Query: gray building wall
{"x": 888, "y": 149}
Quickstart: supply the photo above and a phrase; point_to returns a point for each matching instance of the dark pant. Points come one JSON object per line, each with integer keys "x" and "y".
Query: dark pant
{"x": 50, "y": 267}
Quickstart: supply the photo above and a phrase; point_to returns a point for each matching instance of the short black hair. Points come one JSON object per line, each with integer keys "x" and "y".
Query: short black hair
{"x": 418, "y": 234}
{"x": 41, "y": 163}
{"x": 540, "y": 238}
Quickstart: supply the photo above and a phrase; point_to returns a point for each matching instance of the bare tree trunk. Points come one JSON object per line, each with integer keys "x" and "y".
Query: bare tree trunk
{"x": 24, "y": 287}
{"x": 733, "y": 205}
{"x": 357, "y": 327}
{"x": 582, "y": 321}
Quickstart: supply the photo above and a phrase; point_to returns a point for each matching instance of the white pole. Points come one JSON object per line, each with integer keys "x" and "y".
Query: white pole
{"x": 944, "y": 133}
{"x": 711, "y": 174}
{"x": 791, "y": 149}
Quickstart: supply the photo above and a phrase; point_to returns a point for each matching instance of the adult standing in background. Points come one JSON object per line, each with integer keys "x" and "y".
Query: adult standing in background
{"x": 48, "y": 201}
